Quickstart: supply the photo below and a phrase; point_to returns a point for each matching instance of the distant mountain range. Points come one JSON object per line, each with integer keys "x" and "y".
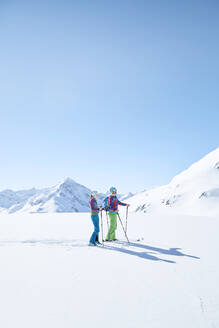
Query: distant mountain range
{"x": 66, "y": 196}
{"x": 194, "y": 191}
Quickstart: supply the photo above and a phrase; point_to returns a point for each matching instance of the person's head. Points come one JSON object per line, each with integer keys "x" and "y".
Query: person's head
{"x": 94, "y": 194}
{"x": 113, "y": 190}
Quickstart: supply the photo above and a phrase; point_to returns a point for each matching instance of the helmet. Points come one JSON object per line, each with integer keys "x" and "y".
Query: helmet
{"x": 113, "y": 189}
{"x": 94, "y": 192}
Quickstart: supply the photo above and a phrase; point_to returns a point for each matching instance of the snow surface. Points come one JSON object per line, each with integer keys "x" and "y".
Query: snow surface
{"x": 193, "y": 192}
{"x": 51, "y": 278}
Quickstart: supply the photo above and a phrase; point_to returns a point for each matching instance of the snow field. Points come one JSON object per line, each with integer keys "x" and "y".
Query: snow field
{"x": 51, "y": 278}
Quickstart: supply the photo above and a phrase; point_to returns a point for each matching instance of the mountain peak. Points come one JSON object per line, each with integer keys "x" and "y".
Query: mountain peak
{"x": 67, "y": 181}
{"x": 205, "y": 164}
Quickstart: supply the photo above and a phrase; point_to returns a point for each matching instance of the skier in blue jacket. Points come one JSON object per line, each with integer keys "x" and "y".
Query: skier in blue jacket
{"x": 94, "y": 240}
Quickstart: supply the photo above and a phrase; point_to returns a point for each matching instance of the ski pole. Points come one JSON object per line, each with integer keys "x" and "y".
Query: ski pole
{"x": 101, "y": 216}
{"x": 126, "y": 224}
{"x": 107, "y": 219}
{"x": 123, "y": 228}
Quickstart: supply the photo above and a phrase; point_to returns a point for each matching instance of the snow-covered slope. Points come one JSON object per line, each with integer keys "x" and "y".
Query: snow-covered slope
{"x": 66, "y": 196}
{"x": 125, "y": 196}
{"x": 15, "y": 199}
{"x": 51, "y": 278}
{"x": 194, "y": 191}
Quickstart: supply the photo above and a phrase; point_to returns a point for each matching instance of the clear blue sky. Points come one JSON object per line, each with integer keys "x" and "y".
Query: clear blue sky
{"x": 120, "y": 92}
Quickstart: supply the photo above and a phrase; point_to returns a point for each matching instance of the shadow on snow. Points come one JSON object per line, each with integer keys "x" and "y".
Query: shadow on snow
{"x": 124, "y": 248}
{"x": 170, "y": 251}
{"x": 144, "y": 255}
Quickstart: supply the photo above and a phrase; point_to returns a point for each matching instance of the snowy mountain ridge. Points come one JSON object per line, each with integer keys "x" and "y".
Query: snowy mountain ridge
{"x": 195, "y": 191}
{"x": 66, "y": 196}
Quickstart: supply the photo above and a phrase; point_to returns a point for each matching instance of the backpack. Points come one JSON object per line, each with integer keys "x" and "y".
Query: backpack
{"x": 106, "y": 203}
